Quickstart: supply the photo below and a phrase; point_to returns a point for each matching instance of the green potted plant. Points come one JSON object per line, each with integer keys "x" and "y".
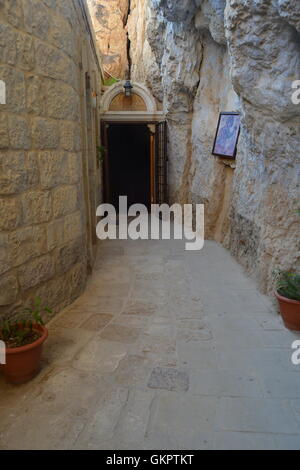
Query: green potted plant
{"x": 23, "y": 339}
{"x": 288, "y": 296}
{"x": 101, "y": 151}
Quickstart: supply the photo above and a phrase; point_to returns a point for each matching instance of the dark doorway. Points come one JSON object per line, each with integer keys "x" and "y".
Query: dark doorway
{"x": 129, "y": 165}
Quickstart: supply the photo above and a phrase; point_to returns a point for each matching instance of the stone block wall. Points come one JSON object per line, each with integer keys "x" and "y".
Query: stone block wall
{"x": 46, "y": 152}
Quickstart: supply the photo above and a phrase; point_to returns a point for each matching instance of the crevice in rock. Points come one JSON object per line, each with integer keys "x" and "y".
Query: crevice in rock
{"x": 126, "y": 16}
{"x": 128, "y": 40}
{"x": 129, "y": 56}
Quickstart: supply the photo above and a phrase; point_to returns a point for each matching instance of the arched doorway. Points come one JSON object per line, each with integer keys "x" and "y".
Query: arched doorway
{"x": 134, "y": 137}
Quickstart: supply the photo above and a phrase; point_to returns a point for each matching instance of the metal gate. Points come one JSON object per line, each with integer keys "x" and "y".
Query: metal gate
{"x": 159, "y": 160}
{"x": 161, "y": 164}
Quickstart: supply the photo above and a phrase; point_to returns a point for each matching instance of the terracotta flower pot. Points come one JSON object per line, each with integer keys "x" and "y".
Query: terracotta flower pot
{"x": 290, "y": 312}
{"x": 22, "y": 363}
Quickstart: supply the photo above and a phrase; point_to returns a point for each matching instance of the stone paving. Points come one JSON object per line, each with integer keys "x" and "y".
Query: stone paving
{"x": 166, "y": 349}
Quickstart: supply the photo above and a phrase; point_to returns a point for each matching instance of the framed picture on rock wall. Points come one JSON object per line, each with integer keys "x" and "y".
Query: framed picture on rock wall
{"x": 227, "y": 135}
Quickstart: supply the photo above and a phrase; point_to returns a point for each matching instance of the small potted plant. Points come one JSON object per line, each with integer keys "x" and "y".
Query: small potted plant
{"x": 23, "y": 339}
{"x": 288, "y": 296}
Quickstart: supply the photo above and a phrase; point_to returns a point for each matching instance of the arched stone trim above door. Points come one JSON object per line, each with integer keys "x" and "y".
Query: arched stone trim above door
{"x": 138, "y": 89}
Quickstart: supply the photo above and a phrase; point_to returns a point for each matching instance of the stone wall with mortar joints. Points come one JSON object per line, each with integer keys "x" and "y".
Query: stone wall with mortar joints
{"x": 43, "y": 210}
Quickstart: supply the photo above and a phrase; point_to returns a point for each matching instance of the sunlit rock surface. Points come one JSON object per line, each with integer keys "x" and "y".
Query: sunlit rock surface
{"x": 109, "y": 21}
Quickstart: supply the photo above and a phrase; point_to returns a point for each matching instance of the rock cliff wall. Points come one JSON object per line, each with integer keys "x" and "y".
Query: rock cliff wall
{"x": 201, "y": 57}
{"x": 110, "y": 25}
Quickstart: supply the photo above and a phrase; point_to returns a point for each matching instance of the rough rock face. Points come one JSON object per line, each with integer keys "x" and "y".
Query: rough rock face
{"x": 110, "y": 21}
{"x": 176, "y": 12}
{"x": 290, "y": 11}
{"x": 43, "y": 218}
{"x": 144, "y": 67}
{"x": 218, "y": 55}
{"x": 265, "y": 52}
{"x": 210, "y": 16}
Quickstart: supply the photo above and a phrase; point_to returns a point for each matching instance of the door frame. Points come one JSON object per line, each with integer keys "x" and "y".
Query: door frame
{"x": 153, "y": 126}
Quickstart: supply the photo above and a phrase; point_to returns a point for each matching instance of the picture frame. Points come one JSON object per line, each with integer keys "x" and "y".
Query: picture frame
{"x": 227, "y": 135}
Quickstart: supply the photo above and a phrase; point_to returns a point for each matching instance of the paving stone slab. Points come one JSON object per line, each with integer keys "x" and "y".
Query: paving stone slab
{"x": 169, "y": 379}
{"x": 284, "y": 385}
{"x": 139, "y": 308}
{"x": 70, "y": 318}
{"x": 256, "y": 415}
{"x": 132, "y": 424}
{"x": 186, "y": 421}
{"x": 96, "y": 322}
{"x": 120, "y": 333}
{"x": 196, "y": 355}
{"x": 284, "y": 442}
{"x": 101, "y": 356}
{"x": 63, "y": 344}
{"x": 222, "y": 383}
{"x": 243, "y": 441}
{"x": 133, "y": 371}
{"x": 106, "y": 414}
